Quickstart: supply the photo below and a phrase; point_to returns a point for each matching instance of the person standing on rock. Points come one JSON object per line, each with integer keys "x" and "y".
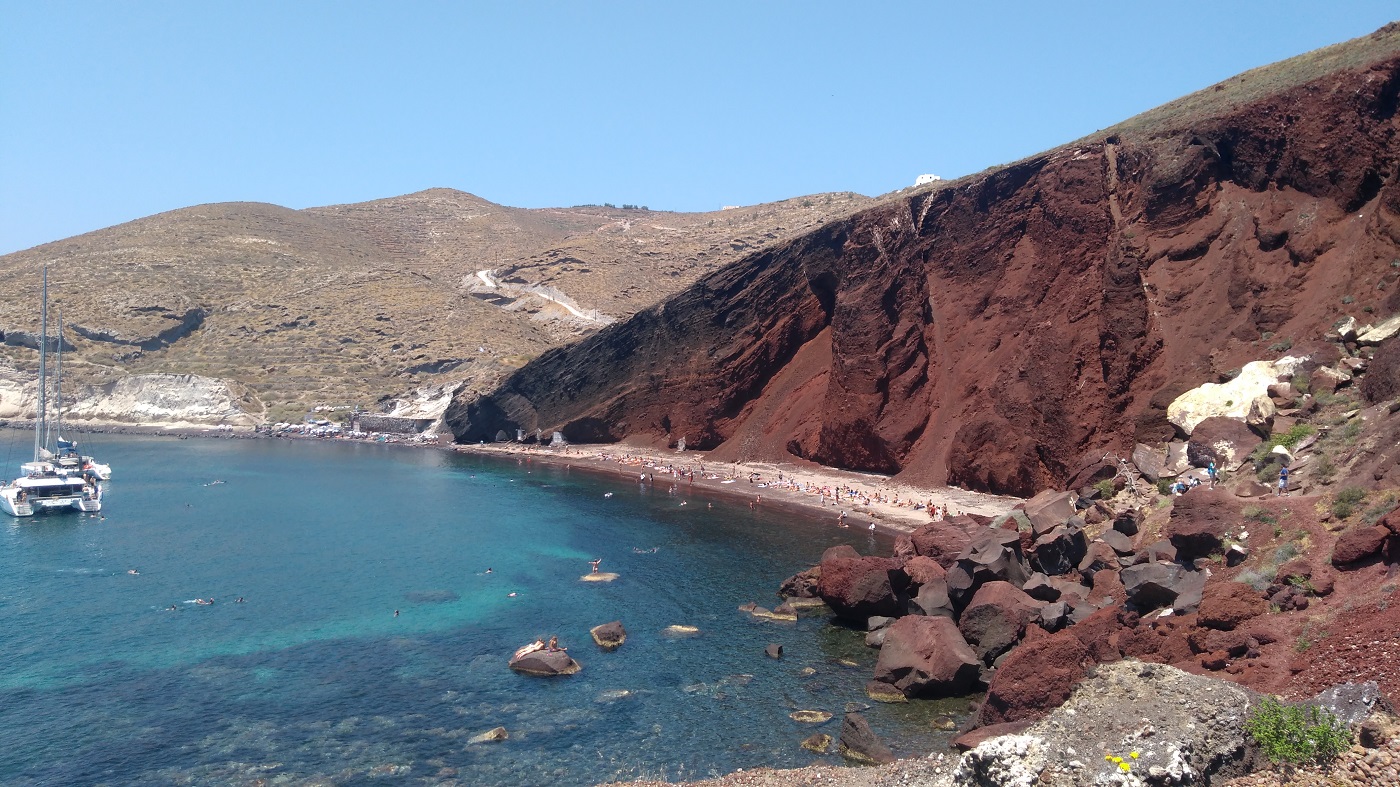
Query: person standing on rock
{"x": 1282, "y": 482}
{"x": 1212, "y": 474}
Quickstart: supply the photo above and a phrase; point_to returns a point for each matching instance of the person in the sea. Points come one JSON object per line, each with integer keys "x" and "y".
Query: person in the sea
{"x": 239, "y": 600}
{"x": 488, "y": 569}
{"x": 396, "y": 613}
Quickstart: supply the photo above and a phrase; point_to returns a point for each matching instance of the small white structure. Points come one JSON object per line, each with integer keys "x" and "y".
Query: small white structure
{"x": 924, "y": 180}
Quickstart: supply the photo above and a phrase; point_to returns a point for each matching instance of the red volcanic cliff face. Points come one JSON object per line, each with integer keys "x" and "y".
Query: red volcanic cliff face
{"x": 997, "y": 331}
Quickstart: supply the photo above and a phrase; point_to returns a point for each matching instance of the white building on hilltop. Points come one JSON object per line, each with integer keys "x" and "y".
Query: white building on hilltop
{"x": 924, "y": 180}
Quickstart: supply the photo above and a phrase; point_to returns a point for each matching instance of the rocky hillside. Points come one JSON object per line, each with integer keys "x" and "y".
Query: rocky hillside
{"x": 1005, "y": 330}
{"x": 350, "y": 303}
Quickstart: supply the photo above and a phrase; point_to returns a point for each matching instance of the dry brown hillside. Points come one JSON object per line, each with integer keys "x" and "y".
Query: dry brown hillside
{"x": 351, "y": 303}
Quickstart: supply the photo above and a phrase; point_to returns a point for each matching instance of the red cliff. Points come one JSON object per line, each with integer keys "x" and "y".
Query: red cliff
{"x": 998, "y": 330}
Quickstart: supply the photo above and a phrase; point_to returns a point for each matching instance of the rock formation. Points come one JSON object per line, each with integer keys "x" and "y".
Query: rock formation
{"x": 994, "y": 331}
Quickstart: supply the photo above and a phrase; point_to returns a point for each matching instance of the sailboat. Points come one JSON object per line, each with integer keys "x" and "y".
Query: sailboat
{"x": 46, "y": 484}
{"x": 68, "y": 459}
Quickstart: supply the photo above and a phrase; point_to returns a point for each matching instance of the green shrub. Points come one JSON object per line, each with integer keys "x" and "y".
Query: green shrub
{"x": 1259, "y": 514}
{"x": 1351, "y": 495}
{"x": 1324, "y": 468}
{"x": 1269, "y": 472}
{"x": 1281, "y": 346}
{"x": 1301, "y": 383}
{"x": 1260, "y": 582}
{"x": 1296, "y": 734}
{"x": 1285, "y": 553}
{"x": 1375, "y": 512}
{"x": 1342, "y": 509}
{"x": 1106, "y": 488}
{"x": 1164, "y": 486}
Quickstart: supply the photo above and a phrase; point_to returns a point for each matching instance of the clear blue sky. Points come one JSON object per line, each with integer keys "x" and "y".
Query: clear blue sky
{"x": 113, "y": 111}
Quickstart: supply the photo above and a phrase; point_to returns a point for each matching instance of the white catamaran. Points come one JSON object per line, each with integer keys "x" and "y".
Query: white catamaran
{"x": 51, "y": 481}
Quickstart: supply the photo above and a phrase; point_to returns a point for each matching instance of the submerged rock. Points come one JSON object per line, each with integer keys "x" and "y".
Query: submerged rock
{"x": 819, "y": 743}
{"x": 810, "y": 716}
{"x": 544, "y": 663}
{"x": 859, "y": 744}
{"x": 495, "y": 735}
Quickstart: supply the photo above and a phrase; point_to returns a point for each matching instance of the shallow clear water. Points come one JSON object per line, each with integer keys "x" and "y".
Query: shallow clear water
{"x": 313, "y": 678}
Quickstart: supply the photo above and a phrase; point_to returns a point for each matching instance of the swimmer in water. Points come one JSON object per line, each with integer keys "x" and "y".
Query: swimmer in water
{"x": 872, "y": 527}
{"x": 396, "y": 613}
{"x": 239, "y": 600}
{"x": 133, "y": 572}
{"x": 488, "y": 570}
{"x": 171, "y": 608}
{"x": 510, "y": 595}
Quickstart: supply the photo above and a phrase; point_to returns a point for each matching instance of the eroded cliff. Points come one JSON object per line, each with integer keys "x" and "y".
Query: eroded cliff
{"x": 1002, "y": 330}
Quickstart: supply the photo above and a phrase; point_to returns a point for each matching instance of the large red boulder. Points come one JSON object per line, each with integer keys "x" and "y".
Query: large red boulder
{"x": 996, "y": 618}
{"x": 1226, "y": 605}
{"x": 859, "y": 588}
{"x": 1034, "y": 679}
{"x": 1199, "y": 519}
{"x": 1100, "y": 632}
{"x": 1359, "y": 543}
{"x": 1050, "y": 509}
{"x": 1164, "y": 641}
{"x": 927, "y": 657}
{"x": 922, "y": 570}
{"x": 942, "y": 541}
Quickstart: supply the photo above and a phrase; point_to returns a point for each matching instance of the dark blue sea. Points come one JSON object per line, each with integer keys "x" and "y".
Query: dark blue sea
{"x": 314, "y": 680}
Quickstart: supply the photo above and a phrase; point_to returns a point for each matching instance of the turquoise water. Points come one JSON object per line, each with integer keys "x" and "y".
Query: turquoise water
{"x": 315, "y": 680}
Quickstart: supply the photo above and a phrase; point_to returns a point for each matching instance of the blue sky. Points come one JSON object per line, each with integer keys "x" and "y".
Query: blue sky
{"x": 113, "y": 111}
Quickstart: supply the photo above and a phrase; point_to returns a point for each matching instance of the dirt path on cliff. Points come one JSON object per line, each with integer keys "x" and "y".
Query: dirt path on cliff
{"x": 890, "y": 505}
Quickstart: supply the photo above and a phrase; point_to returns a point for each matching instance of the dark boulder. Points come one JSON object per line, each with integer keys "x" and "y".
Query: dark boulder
{"x": 773, "y": 651}
{"x": 928, "y": 657}
{"x": 1225, "y": 441}
{"x": 996, "y": 618}
{"x": 993, "y": 555}
{"x": 609, "y": 636}
{"x": 1121, "y": 544}
{"x": 1050, "y": 509}
{"x": 859, "y": 744}
{"x": 932, "y": 599}
{"x": 1128, "y": 523}
{"x": 1153, "y": 585}
{"x": 1059, "y": 550}
{"x": 544, "y": 663}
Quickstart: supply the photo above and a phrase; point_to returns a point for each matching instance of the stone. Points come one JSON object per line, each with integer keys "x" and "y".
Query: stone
{"x": 1326, "y": 379}
{"x": 1034, "y": 679}
{"x": 1121, "y": 544}
{"x": 1100, "y": 632}
{"x": 992, "y": 555}
{"x": 996, "y": 618}
{"x": 1199, "y": 521}
{"x": 544, "y": 663}
{"x": 817, "y": 742}
{"x": 942, "y": 541}
{"x": 1059, "y": 550}
{"x": 839, "y": 551}
{"x": 1150, "y": 462}
{"x": 927, "y": 656}
{"x": 803, "y": 584}
{"x": 1178, "y": 460}
{"x": 1225, "y": 441}
{"x": 1003, "y": 761}
{"x": 1053, "y": 616}
{"x": 1039, "y": 587}
{"x": 859, "y": 744}
{"x": 932, "y": 599}
{"x": 1098, "y": 557}
{"x": 1156, "y": 552}
{"x": 1378, "y": 333}
{"x": 1349, "y": 702}
{"x": 1231, "y": 399}
{"x": 494, "y": 735}
{"x": 882, "y": 692}
{"x": 609, "y": 636}
{"x": 1345, "y": 328}
{"x": 975, "y": 737}
{"x": 922, "y": 570}
{"x": 1128, "y": 522}
{"x": 810, "y": 716}
{"x": 1358, "y": 543}
{"x": 1152, "y": 585}
{"x": 1226, "y": 605}
{"x": 857, "y": 588}
{"x": 1050, "y": 509}
{"x": 1108, "y": 589}
{"x": 773, "y": 651}
{"x": 1371, "y": 734}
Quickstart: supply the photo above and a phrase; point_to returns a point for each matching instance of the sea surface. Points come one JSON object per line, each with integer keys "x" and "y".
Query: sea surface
{"x": 314, "y": 678}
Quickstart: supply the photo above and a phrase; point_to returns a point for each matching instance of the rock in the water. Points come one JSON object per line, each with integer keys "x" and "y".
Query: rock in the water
{"x": 609, "y": 636}
{"x": 882, "y": 692}
{"x": 490, "y": 736}
{"x": 803, "y": 584}
{"x": 680, "y": 631}
{"x": 818, "y": 742}
{"x": 857, "y": 588}
{"x": 599, "y": 576}
{"x": 927, "y": 656}
{"x": 545, "y": 663}
{"x": 859, "y": 744}
{"x": 773, "y": 651}
{"x": 810, "y": 716}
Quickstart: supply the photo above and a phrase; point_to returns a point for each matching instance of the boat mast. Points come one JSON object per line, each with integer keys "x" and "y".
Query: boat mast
{"x": 58, "y": 383}
{"x": 39, "y": 421}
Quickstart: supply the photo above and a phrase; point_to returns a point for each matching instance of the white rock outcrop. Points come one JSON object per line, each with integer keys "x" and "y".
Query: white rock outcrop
{"x": 173, "y": 400}
{"x": 1375, "y": 334}
{"x": 1238, "y": 398}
